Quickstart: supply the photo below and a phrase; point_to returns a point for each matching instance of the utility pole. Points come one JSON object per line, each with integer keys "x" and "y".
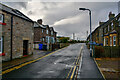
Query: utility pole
{"x": 90, "y": 29}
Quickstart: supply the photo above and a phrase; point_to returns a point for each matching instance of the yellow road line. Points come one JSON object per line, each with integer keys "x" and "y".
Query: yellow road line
{"x": 19, "y": 66}
{"x": 72, "y": 73}
{"x": 70, "y": 70}
{"x": 69, "y": 73}
{"x": 74, "y": 63}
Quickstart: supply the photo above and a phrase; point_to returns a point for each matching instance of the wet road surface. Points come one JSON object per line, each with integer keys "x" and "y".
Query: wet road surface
{"x": 56, "y": 65}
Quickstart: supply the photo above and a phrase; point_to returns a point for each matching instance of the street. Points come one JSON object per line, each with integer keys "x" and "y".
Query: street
{"x": 56, "y": 65}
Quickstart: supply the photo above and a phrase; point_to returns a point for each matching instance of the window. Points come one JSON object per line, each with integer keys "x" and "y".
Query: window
{"x": 112, "y": 26}
{"x": 110, "y": 40}
{"x": 104, "y": 30}
{"x": 51, "y": 32}
{"x": 42, "y": 30}
{"x": 106, "y": 41}
{"x": 46, "y": 38}
{"x": 46, "y": 31}
{"x": 43, "y": 39}
{"x": 114, "y": 40}
{"x": 1, "y": 44}
{"x": 1, "y": 18}
{"x": 53, "y": 41}
{"x": 108, "y": 28}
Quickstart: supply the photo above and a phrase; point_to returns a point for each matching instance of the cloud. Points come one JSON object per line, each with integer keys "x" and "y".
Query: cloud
{"x": 66, "y": 17}
{"x": 17, "y": 5}
{"x": 71, "y": 20}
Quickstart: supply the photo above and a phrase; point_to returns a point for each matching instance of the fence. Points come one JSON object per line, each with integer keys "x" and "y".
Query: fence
{"x": 101, "y": 51}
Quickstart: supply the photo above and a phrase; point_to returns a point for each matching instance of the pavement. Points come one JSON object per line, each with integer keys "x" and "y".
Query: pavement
{"x": 88, "y": 69}
{"x": 58, "y": 65}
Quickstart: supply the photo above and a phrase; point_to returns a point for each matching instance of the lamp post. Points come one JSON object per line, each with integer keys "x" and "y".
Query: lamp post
{"x": 90, "y": 29}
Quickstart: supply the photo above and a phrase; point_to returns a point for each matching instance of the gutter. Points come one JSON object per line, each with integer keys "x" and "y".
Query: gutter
{"x": 11, "y": 36}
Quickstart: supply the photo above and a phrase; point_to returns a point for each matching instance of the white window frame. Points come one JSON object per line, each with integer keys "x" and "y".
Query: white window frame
{"x": 42, "y": 30}
{"x": 47, "y": 31}
{"x": 51, "y": 32}
{"x": 114, "y": 40}
{"x": 119, "y": 23}
{"x": 108, "y": 28}
{"x": 112, "y": 25}
{"x": 104, "y": 41}
{"x": 2, "y": 18}
{"x": 1, "y": 41}
{"x": 43, "y": 39}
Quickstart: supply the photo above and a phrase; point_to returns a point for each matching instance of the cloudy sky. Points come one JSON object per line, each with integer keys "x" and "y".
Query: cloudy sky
{"x": 65, "y": 17}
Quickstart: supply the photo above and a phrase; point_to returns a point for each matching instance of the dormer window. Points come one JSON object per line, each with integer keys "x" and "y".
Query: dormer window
{"x": 104, "y": 30}
{"x": 112, "y": 26}
{"x": 51, "y": 32}
{"x": 1, "y": 18}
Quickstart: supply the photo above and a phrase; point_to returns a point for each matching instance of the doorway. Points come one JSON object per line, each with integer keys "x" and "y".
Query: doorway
{"x": 25, "y": 47}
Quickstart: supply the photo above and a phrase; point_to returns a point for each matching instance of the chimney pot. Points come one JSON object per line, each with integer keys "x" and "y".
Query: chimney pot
{"x": 40, "y": 21}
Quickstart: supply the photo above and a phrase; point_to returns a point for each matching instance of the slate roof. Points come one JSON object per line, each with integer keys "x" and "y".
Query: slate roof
{"x": 14, "y": 12}
{"x": 114, "y": 31}
{"x": 104, "y": 24}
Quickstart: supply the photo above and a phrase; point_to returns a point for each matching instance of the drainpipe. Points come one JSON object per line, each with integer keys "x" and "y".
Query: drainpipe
{"x": 11, "y": 36}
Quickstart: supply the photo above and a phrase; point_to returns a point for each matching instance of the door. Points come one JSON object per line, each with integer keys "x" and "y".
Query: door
{"x": 25, "y": 47}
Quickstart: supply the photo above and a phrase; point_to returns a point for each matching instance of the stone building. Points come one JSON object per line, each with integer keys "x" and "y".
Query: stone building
{"x": 43, "y": 34}
{"x": 17, "y": 33}
{"x": 108, "y": 33}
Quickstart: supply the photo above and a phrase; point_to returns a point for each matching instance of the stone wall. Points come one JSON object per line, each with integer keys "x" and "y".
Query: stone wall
{"x": 6, "y": 34}
{"x": 22, "y": 30}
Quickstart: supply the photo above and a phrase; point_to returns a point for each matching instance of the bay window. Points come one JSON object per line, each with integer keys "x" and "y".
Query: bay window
{"x": 110, "y": 40}
{"x": 114, "y": 40}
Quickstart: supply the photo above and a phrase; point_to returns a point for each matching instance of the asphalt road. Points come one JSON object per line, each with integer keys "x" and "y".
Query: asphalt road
{"x": 57, "y": 65}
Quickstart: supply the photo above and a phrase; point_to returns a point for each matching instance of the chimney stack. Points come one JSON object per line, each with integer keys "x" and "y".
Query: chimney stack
{"x": 40, "y": 21}
{"x": 111, "y": 15}
{"x": 100, "y": 23}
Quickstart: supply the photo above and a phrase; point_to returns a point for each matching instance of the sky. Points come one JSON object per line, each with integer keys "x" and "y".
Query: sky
{"x": 65, "y": 17}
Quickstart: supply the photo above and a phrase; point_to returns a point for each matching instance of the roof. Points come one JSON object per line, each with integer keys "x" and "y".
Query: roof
{"x": 104, "y": 24}
{"x": 37, "y": 25}
{"x": 114, "y": 31}
{"x": 14, "y": 12}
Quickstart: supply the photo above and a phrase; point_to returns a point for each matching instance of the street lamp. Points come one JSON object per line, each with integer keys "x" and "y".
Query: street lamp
{"x": 90, "y": 29}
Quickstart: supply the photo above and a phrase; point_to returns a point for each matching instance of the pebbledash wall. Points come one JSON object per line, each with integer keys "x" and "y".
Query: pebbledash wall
{"x": 22, "y": 29}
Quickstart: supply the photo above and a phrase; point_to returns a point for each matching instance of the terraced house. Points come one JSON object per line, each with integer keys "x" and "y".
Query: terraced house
{"x": 16, "y": 33}
{"x": 43, "y": 34}
{"x": 108, "y": 33}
